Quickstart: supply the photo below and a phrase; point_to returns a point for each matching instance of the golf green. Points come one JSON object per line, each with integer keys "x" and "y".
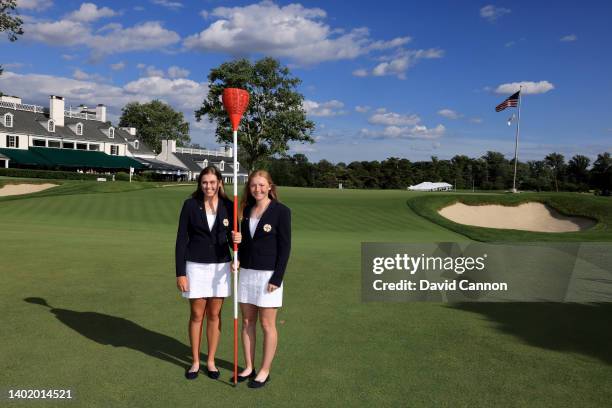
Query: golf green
{"x": 89, "y": 304}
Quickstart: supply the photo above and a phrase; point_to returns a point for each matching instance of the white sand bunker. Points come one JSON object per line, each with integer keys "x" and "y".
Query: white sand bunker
{"x": 17, "y": 189}
{"x": 528, "y": 217}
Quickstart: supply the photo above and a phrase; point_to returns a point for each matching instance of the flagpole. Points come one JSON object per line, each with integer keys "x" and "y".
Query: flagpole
{"x": 518, "y": 126}
{"x": 235, "y": 151}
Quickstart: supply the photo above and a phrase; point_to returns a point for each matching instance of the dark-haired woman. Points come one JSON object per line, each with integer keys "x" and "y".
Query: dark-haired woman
{"x": 203, "y": 263}
{"x": 263, "y": 255}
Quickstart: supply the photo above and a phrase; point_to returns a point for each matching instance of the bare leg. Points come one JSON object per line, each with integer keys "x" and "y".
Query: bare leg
{"x": 213, "y": 329}
{"x": 249, "y": 331}
{"x": 268, "y": 324}
{"x": 195, "y": 330}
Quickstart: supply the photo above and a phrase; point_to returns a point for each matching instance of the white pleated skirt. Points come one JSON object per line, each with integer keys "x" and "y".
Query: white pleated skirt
{"x": 207, "y": 280}
{"x": 253, "y": 289}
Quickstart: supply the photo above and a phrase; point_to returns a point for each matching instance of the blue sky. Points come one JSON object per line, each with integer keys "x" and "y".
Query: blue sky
{"x": 380, "y": 79}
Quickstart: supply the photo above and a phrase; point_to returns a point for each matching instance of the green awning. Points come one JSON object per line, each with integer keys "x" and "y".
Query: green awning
{"x": 51, "y": 157}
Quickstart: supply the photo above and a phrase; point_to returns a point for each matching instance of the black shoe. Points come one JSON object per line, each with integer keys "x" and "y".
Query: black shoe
{"x": 211, "y": 374}
{"x": 246, "y": 377}
{"x": 259, "y": 384}
{"x": 191, "y": 375}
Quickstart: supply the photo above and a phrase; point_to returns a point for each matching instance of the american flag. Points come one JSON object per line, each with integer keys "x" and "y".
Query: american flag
{"x": 512, "y": 100}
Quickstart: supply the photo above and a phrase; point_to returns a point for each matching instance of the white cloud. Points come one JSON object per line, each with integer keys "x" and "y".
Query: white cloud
{"x": 323, "y": 109}
{"x": 82, "y": 76}
{"x": 404, "y": 59}
{"x": 35, "y": 5}
{"x": 183, "y": 94}
{"x": 449, "y": 114}
{"x": 168, "y": 4}
{"x": 492, "y": 13}
{"x": 177, "y": 72}
{"x": 381, "y": 117}
{"x": 360, "y": 72}
{"x": 569, "y": 38}
{"x": 151, "y": 70}
{"x": 528, "y": 87}
{"x": 118, "y": 66}
{"x": 291, "y": 31}
{"x": 399, "y": 132}
{"x": 90, "y": 12}
{"x": 476, "y": 120}
{"x": 362, "y": 109}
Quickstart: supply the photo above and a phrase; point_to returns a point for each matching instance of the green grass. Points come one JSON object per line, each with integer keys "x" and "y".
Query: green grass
{"x": 586, "y": 205}
{"x": 114, "y": 331}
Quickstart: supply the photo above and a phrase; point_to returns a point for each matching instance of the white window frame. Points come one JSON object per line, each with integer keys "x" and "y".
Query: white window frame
{"x": 51, "y": 126}
{"x": 12, "y": 141}
{"x": 222, "y": 165}
{"x": 39, "y": 140}
{"x": 116, "y": 151}
{"x": 79, "y": 129}
{"x": 136, "y": 144}
{"x": 7, "y": 117}
{"x": 111, "y": 132}
{"x": 205, "y": 163}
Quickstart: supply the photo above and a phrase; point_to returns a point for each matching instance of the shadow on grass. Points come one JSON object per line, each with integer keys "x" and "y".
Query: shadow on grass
{"x": 565, "y": 327}
{"x": 120, "y": 332}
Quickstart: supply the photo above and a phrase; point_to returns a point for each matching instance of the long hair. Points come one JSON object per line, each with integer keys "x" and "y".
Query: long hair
{"x": 198, "y": 194}
{"x": 247, "y": 198}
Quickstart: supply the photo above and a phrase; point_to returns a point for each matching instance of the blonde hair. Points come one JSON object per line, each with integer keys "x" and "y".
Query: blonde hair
{"x": 247, "y": 197}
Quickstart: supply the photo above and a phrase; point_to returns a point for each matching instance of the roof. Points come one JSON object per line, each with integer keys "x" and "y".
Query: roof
{"x": 50, "y": 157}
{"x": 191, "y": 162}
{"x": 153, "y": 164}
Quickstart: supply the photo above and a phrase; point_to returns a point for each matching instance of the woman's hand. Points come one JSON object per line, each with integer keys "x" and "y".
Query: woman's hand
{"x": 236, "y": 237}
{"x": 271, "y": 287}
{"x": 235, "y": 267}
{"x": 182, "y": 284}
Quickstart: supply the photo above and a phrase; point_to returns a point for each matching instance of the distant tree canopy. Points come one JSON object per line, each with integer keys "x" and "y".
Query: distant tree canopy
{"x": 155, "y": 121}
{"x": 492, "y": 171}
{"x": 9, "y": 22}
{"x": 275, "y": 115}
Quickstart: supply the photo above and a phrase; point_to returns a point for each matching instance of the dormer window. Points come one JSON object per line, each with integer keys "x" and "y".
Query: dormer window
{"x": 8, "y": 120}
{"x": 136, "y": 144}
{"x": 51, "y": 126}
{"x": 205, "y": 163}
{"x": 79, "y": 129}
{"x": 222, "y": 165}
{"x": 111, "y": 132}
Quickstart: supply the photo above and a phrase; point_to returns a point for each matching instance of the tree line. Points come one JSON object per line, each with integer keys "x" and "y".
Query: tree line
{"x": 492, "y": 171}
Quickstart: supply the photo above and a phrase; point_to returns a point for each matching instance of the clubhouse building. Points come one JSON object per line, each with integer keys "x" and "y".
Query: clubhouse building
{"x": 83, "y": 140}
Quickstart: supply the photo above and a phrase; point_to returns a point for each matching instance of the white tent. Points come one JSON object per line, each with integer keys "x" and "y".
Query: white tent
{"x": 429, "y": 186}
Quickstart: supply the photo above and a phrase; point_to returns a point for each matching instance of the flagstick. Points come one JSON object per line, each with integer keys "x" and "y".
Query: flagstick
{"x": 518, "y": 124}
{"x": 235, "y": 258}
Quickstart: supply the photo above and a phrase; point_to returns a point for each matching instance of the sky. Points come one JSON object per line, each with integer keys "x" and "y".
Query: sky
{"x": 380, "y": 79}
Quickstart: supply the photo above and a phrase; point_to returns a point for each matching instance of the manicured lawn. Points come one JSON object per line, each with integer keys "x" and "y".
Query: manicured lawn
{"x": 89, "y": 303}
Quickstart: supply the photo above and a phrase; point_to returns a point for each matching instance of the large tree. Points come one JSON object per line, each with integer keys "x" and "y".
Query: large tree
{"x": 275, "y": 115}
{"x": 154, "y": 122}
{"x": 9, "y": 22}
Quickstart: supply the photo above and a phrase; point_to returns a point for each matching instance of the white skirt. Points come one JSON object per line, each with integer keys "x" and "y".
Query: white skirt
{"x": 206, "y": 280}
{"x": 253, "y": 289}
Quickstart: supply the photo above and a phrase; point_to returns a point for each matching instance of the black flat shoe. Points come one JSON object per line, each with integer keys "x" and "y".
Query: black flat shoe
{"x": 259, "y": 384}
{"x": 191, "y": 375}
{"x": 211, "y": 374}
{"x": 245, "y": 377}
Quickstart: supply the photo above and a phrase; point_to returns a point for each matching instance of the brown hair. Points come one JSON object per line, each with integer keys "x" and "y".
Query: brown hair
{"x": 247, "y": 198}
{"x": 198, "y": 194}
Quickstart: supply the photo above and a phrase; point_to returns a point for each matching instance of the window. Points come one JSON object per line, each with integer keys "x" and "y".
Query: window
{"x": 237, "y": 166}
{"x": 136, "y": 144}
{"x": 8, "y": 120}
{"x": 222, "y": 165}
{"x": 51, "y": 126}
{"x": 39, "y": 142}
{"x": 81, "y": 146}
{"x": 54, "y": 143}
{"x": 79, "y": 129}
{"x": 94, "y": 147}
{"x": 68, "y": 145}
{"x": 114, "y": 149}
{"x": 205, "y": 163}
{"x": 111, "y": 133}
{"x": 12, "y": 141}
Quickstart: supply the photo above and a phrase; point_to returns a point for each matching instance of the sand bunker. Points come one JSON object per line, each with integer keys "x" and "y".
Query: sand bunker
{"x": 528, "y": 216}
{"x": 17, "y": 189}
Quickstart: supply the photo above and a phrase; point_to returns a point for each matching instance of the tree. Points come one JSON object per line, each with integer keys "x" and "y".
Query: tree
{"x": 602, "y": 173}
{"x": 578, "y": 171}
{"x": 155, "y": 121}
{"x": 9, "y": 23}
{"x": 556, "y": 163}
{"x": 275, "y": 115}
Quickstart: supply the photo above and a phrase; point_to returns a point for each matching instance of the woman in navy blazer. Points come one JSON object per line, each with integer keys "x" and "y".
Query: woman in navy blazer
{"x": 263, "y": 255}
{"x": 203, "y": 263}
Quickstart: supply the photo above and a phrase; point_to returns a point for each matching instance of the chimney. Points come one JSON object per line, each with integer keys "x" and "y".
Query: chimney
{"x": 11, "y": 99}
{"x": 101, "y": 113}
{"x": 167, "y": 147}
{"x": 229, "y": 151}
{"x": 56, "y": 109}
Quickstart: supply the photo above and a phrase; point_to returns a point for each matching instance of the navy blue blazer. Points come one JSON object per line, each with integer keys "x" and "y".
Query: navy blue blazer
{"x": 196, "y": 242}
{"x": 269, "y": 248}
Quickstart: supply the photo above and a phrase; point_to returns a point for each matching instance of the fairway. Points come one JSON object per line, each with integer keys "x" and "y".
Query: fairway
{"x": 89, "y": 303}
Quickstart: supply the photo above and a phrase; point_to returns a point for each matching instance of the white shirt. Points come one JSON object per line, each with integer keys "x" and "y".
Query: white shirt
{"x": 211, "y": 220}
{"x": 253, "y": 225}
